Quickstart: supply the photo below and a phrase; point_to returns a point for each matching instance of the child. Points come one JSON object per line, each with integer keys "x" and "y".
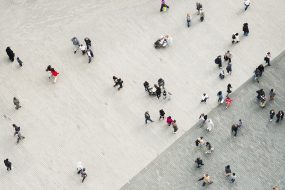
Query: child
{"x": 169, "y": 95}
{"x": 228, "y": 100}
{"x": 188, "y": 18}
{"x": 240, "y": 123}
{"x": 164, "y": 94}
{"x": 233, "y": 177}
{"x": 20, "y": 62}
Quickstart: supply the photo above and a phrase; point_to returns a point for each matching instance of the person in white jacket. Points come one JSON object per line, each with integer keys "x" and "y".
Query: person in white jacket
{"x": 210, "y": 124}
{"x": 79, "y": 167}
{"x": 235, "y": 38}
{"x": 168, "y": 39}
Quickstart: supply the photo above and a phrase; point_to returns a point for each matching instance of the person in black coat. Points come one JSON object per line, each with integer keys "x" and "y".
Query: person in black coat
{"x": 158, "y": 92}
{"x": 245, "y": 29}
{"x": 272, "y": 113}
{"x": 259, "y": 93}
{"x": 219, "y": 61}
{"x": 228, "y": 170}
{"x": 8, "y": 164}
{"x": 261, "y": 69}
{"x": 88, "y": 42}
{"x": 161, "y": 113}
{"x": 10, "y": 53}
{"x": 280, "y": 115}
{"x": 199, "y": 162}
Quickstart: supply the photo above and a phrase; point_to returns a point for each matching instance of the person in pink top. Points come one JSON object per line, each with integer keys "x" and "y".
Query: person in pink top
{"x": 228, "y": 101}
{"x": 169, "y": 120}
{"x": 54, "y": 73}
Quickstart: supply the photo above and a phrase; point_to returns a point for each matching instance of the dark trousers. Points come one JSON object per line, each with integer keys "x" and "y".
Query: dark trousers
{"x": 146, "y": 88}
{"x": 11, "y": 58}
{"x": 88, "y": 45}
{"x": 158, "y": 95}
{"x": 201, "y": 18}
{"x": 220, "y": 64}
{"x": 84, "y": 178}
{"x": 235, "y": 133}
{"x": 226, "y": 58}
{"x": 279, "y": 118}
{"x": 188, "y": 23}
{"x": 220, "y": 99}
{"x": 267, "y": 60}
{"x": 121, "y": 86}
{"x": 147, "y": 119}
{"x": 161, "y": 8}
{"x": 161, "y": 117}
{"x": 9, "y": 167}
{"x": 89, "y": 58}
{"x": 271, "y": 116}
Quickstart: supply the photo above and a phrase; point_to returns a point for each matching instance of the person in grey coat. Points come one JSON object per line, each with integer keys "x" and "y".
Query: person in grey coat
{"x": 228, "y": 170}
{"x": 19, "y": 136}
{"x": 76, "y": 43}
{"x": 17, "y": 103}
{"x": 147, "y": 117}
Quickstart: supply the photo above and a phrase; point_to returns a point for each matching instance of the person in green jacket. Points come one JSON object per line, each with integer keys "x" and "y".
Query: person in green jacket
{"x": 17, "y": 103}
{"x": 202, "y": 15}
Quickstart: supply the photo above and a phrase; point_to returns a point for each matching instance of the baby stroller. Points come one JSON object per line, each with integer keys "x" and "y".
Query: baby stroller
{"x": 152, "y": 90}
{"x": 160, "y": 43}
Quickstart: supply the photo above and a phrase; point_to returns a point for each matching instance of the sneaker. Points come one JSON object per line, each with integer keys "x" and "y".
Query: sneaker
{"x": 11, "y": 168}
{"x": 174, "y": 132}
{"x": 152, "y": 121}
{"x": 220, "y": 67}
{"x": 198, "y": 148}
{"x": 74, "y": 52}
{"x": 270, "y": 119}
{"x": 206, "y": 152}
{"x": 234, "y": 137}
{"x": 16, "y": 143}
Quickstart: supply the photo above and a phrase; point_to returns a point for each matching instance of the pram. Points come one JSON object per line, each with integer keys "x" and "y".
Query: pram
{"x": 158, "y": 43}
{"x": 152, "y": 90}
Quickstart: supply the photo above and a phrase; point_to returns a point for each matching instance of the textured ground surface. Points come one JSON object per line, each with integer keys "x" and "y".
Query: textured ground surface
{"x": 82, "y": 117}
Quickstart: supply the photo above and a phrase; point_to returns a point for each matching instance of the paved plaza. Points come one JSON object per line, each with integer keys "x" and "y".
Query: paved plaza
{"x": 83, "y": 118}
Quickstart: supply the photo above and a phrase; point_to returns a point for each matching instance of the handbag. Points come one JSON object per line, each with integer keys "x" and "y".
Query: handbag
{"x": 164, "y": 8}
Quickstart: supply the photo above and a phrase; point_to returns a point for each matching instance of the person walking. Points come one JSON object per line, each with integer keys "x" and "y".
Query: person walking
{"x": 48, "y": 70}
{"x": 202, "y": 15}
{"x": 220, "y": 95}
{"x": 76, "y": 43}
{"x": 206, "y": 179}
{"x": 204, "y": 118}
{"x": 228, "y": 101}
{"x": 209, "y": 148}
{"x": 17, "y": 103}
{"x": 199, "y": 161}
{"x": 146, "y": 85}
{"x": 174, "y": 125}
{"x": 233, "y": 178}
{"x": 228, "y": 170}
{"x": 83, "y": 174}
{"x": 161, "y": 83}
{"x": 8, "y": 164}
{"x": 261, "y": 69}
{"x": 234, "y": 129}
{"x": 246, "y": 3}
{"x": 90, "y": 55}
{"x": 115, "y": 79}
{"x": 279, "y": 115}
{"x": 158, "y": 92}
{"x": 54, "y": 73}
{"x": 19, "y": 61}
{"x": 256, "y": 74}
{"x": 17, "y": 129}
{"x": 272, "y": 113}
{"x": 262, "y": 101}
{"x": 272, "y": 93}
{"x": 88, "y": 42}
{"x": 19, "y": 136}
{"x": 245, "y": 29}
{"x": 119, "y": 82}
{"x": 79, "y": 167}
{"x": 161, "y": 113}
{"x": 267, "y": 58}
{"x": 240, "y": 123}
{"x": 198, "y": 7}
{"x": 10, "y": 53}
{"x": 169, "y": 120}
{"x": 162, "y": 5}
{"x": 228, "y": 56}
{"x": 204, "y": 98}
{"x": 147, "y": 117}
{"x": 210, "y": 124}
{"x": 83, "y": 49}
{"x": 188, "y": 19}
{"x": 218, "y": 61}
{"x": 235, "y": 38}
{"x": 229, "y": 69}
{"x": 229, "y": 89}
{"x": 199, "y": 142}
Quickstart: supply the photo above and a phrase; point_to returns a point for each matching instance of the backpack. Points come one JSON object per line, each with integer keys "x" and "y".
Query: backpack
{"x": 197, "y": 142}
{"x": 216, "y": 60}
{"x": 222, "y": 75}
{"x": 233, "y": 36}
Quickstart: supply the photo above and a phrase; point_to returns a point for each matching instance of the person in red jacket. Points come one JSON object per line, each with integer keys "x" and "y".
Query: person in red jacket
{"x": 54, "y": 73}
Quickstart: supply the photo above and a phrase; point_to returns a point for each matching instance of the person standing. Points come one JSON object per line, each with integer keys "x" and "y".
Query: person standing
{"x": 147, "y": 117}
{"x": 54, "y": 73}
{"x": 246, "y": 3}
{"x": 204, "y": 118}
{"x": 174, "y": 125}
{"x": 79, "y": 167}
{"x": 19, "y": 136}
{"x": 220, "y": 95}
{"x": 76, "y": 44}
{"x": 206, "y": 179}
{"x": 88, "y": 42}
{"x": 245, "y": 29}
{"x": 267, "y": 58}
{"x": 158, "y": 92}
{"x": 146, "y": 85}
{"x": 83, "y": 174}
{"x": 234, "y": 129}
{"x": 208, "y": 148}
{"x": 280, "y": 115}
{"x": 168, "y": 39}
{"x": 20, "y": 62}
{"x": 161, "y": 83}
{"x": 120, "y": 82}
{"x": 272, "y": 93}
{"x": 188, "y": 19}
{"x": 199, "y": 142}
{"x": 169, "y": 120}
{"x": 228, "y": 56}
{"x": 218, "y": 61}
{"x": 90, "y": 55}
{"x": 259, "y": 93}
{"x": 202, "y": 15}
{"x": 8, "y": 164}
{"x": 229, "y": 89}
{"x": 199, "y": 162}
{"x": 272, "y": 113}
{"x": 262, "y": 101}
{"x": 229, "y": 69}
{"x": 169, "y": 95}
{"x": 261, "y": 69}
{"x": 204, "y": 98}
{"x": 17, "y": 103}
{"x": 164, "y": 94}
{"x": 235, "y": 38}
{"x": 10, "y": 53}
{"x": 198, "y": 7}
{"x": 228, "y": 170}
{"x": 228, "y": 101}
{"x": 83, "y": 49}
{"x": 233, "y": 178}
{"x": 256, "y": 74}
{"x": 161, "y": 113}
{"x": 240, "y": 123}
{"x": 210, "y": 124}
